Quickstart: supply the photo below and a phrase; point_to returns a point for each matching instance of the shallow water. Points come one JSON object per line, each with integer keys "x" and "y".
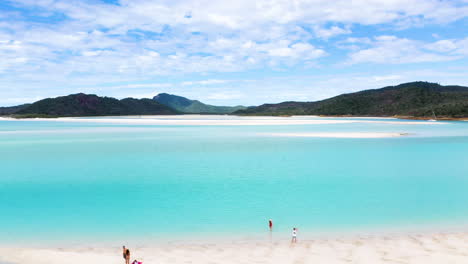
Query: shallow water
{"x": 97, "y": 180}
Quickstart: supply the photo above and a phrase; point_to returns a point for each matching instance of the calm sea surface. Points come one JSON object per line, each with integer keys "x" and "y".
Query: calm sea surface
{"x": 132, "y": 181}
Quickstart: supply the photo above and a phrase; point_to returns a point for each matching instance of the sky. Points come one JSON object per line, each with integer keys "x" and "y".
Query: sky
{"x": 236, "y": 52}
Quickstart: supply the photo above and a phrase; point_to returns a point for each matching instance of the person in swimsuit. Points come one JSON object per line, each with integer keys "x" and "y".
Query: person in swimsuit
{"x": 124, "y": 252}
{"x": 270, "y": 224}
{"x": 127, "y": 256}
{"x": 294, "y": 235}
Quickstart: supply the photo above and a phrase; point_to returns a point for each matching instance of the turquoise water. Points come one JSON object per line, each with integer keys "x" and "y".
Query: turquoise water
{"x": 99, "y": 181}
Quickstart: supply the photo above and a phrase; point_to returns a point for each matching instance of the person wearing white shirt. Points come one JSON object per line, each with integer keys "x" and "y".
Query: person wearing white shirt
{"x": 294, "y": 235}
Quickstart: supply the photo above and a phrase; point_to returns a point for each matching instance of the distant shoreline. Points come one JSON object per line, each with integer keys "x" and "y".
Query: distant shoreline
{"x": 438, "y": 118}
{"x": 442, "y": 118}
{"x": 223, "y": 120}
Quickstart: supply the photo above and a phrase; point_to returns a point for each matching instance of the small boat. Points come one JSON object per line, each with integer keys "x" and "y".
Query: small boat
{"x": 434, "y": 118}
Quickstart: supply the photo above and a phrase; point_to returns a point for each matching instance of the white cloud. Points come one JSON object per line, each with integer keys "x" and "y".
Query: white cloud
{"x": 142, "y": 85}
{"x": 386, "y": 78}
{"x": 450, "y": 46}
{"x": 98, "y": 43}
{"x": 205, "y": 82}
{"x": 233, "y": 36}
{"x": 327, "y": 33}
{"x": 394, "y": 50}
{"x": 298, "y": 50}
{"x": 227, "y": 95}
{"x": 442, "y": 46}
{"x": 242, "y": 14}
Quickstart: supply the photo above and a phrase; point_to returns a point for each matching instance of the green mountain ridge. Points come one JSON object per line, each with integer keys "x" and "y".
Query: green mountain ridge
{"x": 407, "y": 100}
{"x": 12, "y": 109}
{"x": 415, "y": 99}
{"x": 92, "y": 105}
{"x": 186, "y": 105}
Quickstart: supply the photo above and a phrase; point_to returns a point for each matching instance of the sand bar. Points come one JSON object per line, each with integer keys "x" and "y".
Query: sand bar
{"x": 339, "y": 135}
{"x": 222, "y": 121}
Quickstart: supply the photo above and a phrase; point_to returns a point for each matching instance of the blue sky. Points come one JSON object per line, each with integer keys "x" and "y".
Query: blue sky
{"x": 227, "y": 52}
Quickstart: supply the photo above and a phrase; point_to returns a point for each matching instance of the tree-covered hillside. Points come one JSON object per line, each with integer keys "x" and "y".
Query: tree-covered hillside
{"x": 185, "y": 105}
{"x": 416, "y": 99}
{"x": 12, "y": 109}
{"x": 93, "y": 105}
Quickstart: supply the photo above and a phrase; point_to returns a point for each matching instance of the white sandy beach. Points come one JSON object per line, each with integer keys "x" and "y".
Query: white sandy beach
{"x": 450, "y": 248}
{"x": 213, "y": 120}
{"x": 200, "y": 120}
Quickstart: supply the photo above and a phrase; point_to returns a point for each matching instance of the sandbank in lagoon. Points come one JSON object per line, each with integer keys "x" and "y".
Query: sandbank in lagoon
{"x": 338, "y": 135}
{"x": 200, "y": 120}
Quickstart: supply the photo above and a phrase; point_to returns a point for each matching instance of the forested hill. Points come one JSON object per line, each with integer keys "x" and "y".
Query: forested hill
{"x": 12, "y": 109}
{"x": 415, "y": 99}
{"x": 93, "y": 105}
{"x": 412, "y": 100}
{"x": 186, "y": 105}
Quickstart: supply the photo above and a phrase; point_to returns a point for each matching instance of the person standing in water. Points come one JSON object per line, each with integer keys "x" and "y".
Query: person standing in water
{"x": 294, "y": 235}
{"x": 270, "y": 224}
